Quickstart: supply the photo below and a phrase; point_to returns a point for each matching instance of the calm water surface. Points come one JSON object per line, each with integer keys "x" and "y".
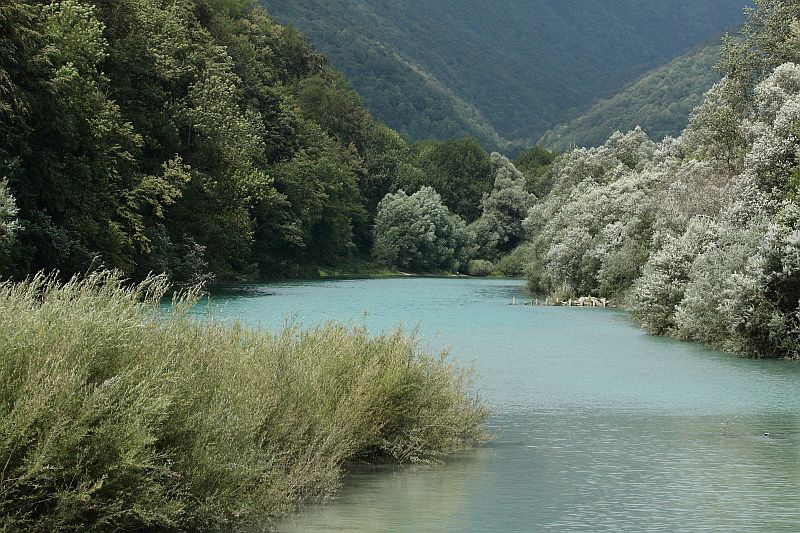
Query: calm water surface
{"x": 598, "y": 426}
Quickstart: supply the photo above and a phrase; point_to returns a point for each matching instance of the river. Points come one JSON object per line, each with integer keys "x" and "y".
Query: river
{"x": 597, "y": 426}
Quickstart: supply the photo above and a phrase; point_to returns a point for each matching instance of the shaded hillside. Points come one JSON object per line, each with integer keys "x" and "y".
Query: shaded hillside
{"x": 660, "y": 102}
{"x": 509, "y": 68}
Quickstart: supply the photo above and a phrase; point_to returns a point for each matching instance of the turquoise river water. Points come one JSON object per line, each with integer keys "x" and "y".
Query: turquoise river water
{"x": 598, "y": 427}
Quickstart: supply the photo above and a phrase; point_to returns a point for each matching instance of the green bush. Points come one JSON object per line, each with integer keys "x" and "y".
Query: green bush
{"x": 513, "y": 264}
{"x": 479, "y": 268}
{"x": 117, "y": 415}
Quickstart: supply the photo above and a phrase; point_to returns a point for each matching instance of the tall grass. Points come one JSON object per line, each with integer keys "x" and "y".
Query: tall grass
{"x": 115, "y": 416}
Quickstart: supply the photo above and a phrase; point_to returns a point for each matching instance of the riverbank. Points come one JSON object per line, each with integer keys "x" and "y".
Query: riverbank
{"x": 117, "y": 416}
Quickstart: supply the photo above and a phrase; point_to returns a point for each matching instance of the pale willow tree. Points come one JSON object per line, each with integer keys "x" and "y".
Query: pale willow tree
{"x": 663, "y": 283}
{"x": 499, "y": 228}
{"x": 588, "y": 235}
{"x": 8, "y": 217}
{"x": 699, "y": 234}
{"x": 418, "y": 233}
{"x": 733, "y": 280}
{"x": 744, "y": 292}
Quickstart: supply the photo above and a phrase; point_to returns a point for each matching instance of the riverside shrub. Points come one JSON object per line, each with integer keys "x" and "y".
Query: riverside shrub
{"x": 479, "y": 268}
{"x": 118, "y": 415}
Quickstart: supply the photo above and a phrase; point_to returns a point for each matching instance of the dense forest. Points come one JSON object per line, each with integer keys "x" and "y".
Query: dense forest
{"x": 197, "y": 138}
{"x": 660, "y": 103}
{"x": 503, "y": 72}
{"x": 699, "y": 235}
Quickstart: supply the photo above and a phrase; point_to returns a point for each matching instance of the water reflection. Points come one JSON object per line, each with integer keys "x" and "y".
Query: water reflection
{"x": 586, "y": 472}
{"x": 390, "y": 497}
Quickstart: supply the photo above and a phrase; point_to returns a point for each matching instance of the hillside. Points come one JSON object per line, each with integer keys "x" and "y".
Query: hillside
{"x": 660, "y": 102}
{"x": 509, "y": 69}
{"x": 196, "y": 138}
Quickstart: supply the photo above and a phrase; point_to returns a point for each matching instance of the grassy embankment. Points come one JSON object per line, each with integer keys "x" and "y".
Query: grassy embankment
{"x": 114, "y": 416}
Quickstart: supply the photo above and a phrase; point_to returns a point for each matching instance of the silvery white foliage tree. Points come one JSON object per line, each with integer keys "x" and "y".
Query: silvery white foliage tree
{"x": 712, "y": 216}
{"x": 633, "y": 149}
{"x": 689, "y": 188}
{"x": 499, "y": 228}
{"x": 587, "y": 235}
{"x": 773, "y": 133}
{"x": 602, "y": 228}
{"x": 661, "y": 288}
{"x": 745, "y": 293}
{"x": 741, "y": 289}
{"x": 8, "y": 216}
{"x": 418, "y": 233}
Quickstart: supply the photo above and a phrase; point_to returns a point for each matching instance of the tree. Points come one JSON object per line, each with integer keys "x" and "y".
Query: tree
{"x": 8, "y": 217}
{"x": 460, "y": 171}
{"x": 418, "y": 233}
{"x": 193, "y": 137}
{"x": 534, "y": 163}
{"x": 769, "y": 38}
{"x": 499, "y": 229}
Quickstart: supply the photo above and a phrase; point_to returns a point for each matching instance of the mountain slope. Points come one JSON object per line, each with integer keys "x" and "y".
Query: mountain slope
{"x": 508, "y": 69}
{"x": 660, "y": 102}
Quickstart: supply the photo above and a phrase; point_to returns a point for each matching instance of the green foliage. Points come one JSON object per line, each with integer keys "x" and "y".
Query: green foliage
{"x": 769, "y": 38}
{"x": 320, "y": 206}
{"x": 660, "y": 103}
{"x": 460, "y": 171}
{"x": 8, "y": 221}
{"x": 534, "y": 163}
{"x": 118, "y": 415}
{"x": 200, "y": 139}
{"x": 418, "y": 233}
{"x": 499, "y": 229}
{"x": 479, "y": 268}
{"x": 512, "y": 265}
{"x": 503, "y": 72}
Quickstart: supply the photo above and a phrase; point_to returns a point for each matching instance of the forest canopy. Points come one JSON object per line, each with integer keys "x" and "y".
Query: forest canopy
{"x": 504, "y": 71}
{"x": 198, "y": 138}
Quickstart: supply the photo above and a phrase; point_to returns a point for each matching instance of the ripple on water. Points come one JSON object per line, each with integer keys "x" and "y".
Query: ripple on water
{"x": 598, "y": 426}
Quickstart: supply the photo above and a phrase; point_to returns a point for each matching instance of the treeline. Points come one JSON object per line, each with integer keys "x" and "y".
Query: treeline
{"x": 420, "y": 233}
{"x": 699, "y": 234}
{"x": 197, "y": 138}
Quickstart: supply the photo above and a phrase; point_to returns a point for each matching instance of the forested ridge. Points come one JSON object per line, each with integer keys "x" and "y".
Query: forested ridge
{"x": 660, "y": 103}
{"x": 504, "y": 71}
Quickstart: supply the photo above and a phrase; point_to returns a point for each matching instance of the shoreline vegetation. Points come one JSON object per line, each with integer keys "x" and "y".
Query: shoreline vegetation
{"x": 698, "y": 236}
{"x": 117, "y": 416}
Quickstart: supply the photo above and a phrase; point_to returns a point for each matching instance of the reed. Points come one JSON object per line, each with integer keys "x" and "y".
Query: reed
{"x": 116, "y": 414}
